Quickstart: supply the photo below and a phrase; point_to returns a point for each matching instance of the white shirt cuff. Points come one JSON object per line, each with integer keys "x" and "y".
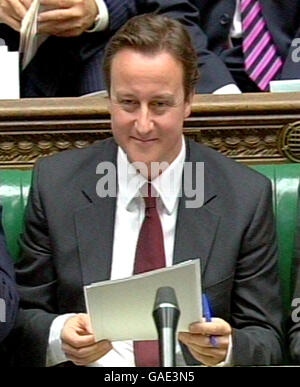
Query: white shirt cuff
{"x": 231, "y": 88}
{"x": 55, "y": 355}
{"x": 102, "y": 18}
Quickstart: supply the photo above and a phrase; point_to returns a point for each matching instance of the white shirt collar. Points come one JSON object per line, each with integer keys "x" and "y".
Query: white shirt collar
{"x": 167, "y": 184}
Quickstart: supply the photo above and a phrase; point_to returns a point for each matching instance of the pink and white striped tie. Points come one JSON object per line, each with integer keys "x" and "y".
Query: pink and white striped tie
{"x": 262, "y": 61}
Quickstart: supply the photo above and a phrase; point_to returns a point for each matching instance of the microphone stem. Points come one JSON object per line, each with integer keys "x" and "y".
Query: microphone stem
{"x": 167, "y": 347}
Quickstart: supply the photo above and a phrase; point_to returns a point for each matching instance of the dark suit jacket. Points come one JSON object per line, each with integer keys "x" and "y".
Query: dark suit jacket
{"x": 72, "y": 66}
{"x": 8, "y": 289}
{"x": 293, "y": 323}
{"x": 216, "y": 16}
{"x": 69, "y": 237}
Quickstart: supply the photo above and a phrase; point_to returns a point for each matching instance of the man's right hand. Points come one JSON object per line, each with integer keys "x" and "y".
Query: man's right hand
{"x": 79, "y": 343}
{"x": 13, "y": 11}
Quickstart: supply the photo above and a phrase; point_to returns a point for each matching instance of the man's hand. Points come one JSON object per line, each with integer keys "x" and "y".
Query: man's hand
{"x": 13, "y": 11}
{"x": 78, "y": 341}
{"x": 67, "y": 18}
{"x": 198, "y": 341}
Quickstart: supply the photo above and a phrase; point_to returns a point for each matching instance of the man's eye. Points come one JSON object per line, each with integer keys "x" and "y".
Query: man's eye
{"x": 160, "y": 105}
{"x": 128, "y": 102}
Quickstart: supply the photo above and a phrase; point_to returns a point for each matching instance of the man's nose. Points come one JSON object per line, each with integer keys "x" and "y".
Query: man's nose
{"x": 144, "y": 123}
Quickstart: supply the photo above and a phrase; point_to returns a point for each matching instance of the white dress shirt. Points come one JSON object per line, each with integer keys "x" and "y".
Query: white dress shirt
{"x": 102, "y": 17}
{"x": 236, "y": 28}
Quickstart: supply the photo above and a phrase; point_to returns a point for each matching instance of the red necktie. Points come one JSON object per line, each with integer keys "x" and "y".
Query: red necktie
{"x": 150, "y": 255}
{"x": 262, "y": 61}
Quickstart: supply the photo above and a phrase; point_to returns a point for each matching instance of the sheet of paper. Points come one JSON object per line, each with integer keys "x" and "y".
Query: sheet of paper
{"x": 30, "y": 40}
{"x": 122, "y": 309}
{"x": 9, "y": 74}
{"x": 285, "y": 86}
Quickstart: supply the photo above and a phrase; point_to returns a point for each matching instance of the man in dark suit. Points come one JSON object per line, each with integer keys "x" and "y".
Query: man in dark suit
{"x": 9, "y": 298}
{"x": 224, "y": 61}
{"x": 76, "y": 235}
{"x": 68, "y": 63}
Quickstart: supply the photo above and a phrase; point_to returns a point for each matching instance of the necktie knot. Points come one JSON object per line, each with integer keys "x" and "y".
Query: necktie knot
{"x": 150, "y": 200}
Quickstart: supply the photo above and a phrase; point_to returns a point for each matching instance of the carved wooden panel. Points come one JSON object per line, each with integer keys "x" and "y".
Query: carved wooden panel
{"x": 245, "y": 127}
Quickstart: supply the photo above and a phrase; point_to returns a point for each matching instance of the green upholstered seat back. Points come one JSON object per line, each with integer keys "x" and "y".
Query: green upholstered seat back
{"x": 14, "y": 188}
{"x": 285, "y": 182}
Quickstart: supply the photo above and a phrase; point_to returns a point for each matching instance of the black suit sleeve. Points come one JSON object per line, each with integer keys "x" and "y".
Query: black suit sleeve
{"x": 257, "y": 318}
{"x": 8, "y": 292}
{"x": 36, "y": 279}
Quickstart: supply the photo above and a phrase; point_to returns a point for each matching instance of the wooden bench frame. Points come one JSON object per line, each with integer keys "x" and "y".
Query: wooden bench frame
{"x": 247, "y": 127}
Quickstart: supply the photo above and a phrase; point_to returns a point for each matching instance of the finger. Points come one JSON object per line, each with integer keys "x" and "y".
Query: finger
{"x": 13, "y": 23}
{"x": 62, "y": 29}
{"x": 188, "y": 338}
{"x": 26, "y": 3}
{"x": 204, "y": 340}
{"x": 84, "y": 356}
{"x": 206, "y": 360}
{"x": 57, "y": 15}
{"x": 83, "y": 352}
{"x": 18, "y": 9}
{"x": 59, "y": 4}
{"x": 208, "y": 351}
{"x": 79, "y": 341}
{"x": 217, "y": 327}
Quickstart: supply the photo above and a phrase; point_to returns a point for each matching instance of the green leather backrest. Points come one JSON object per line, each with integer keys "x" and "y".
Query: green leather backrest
{"x": 285, "y": 183}
{"x": 14, "y": 188}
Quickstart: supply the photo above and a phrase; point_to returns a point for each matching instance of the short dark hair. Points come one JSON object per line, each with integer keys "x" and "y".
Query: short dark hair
{"x": 152, "y": 34}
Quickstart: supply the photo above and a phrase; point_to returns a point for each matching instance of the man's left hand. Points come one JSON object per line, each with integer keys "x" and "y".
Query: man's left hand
{"x": 199, "y": 344}
{"x": 67, "y": 18}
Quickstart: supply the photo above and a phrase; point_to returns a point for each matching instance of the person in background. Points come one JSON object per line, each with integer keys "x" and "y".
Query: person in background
{"x": 69, "y": 62}
{"x": 249, "y": 43}
{"x": 75, "y": 235}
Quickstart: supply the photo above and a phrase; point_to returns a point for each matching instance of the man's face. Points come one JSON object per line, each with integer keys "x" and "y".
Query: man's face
{"x": 147, "y": 105}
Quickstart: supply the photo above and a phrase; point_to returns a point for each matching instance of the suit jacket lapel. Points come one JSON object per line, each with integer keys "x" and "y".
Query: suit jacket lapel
{"x": 95, "y": 221}
{"x": 196, "y": 227}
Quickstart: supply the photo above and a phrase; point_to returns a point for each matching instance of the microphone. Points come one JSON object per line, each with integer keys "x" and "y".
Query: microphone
{"x": 166, "y": 315}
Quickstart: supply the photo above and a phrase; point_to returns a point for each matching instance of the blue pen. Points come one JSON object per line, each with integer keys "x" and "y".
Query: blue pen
{"x": 207, "y": 314}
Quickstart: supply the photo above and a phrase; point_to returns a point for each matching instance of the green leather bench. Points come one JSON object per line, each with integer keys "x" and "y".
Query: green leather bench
{"x": 14, "y": 188}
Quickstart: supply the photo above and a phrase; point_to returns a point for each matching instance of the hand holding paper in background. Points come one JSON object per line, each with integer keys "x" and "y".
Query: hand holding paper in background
{"x": 30, "y": 39}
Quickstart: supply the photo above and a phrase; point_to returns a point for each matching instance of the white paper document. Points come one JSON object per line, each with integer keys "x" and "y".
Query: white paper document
{"x": 285, "y": 86}
{"x": 9, "y": 74}
{"x": 122, "y": 309}
{"x": 30, "y": 39}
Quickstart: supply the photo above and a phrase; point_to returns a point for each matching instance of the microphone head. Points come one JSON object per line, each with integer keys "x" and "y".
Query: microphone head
{"x": 165, "y": 297}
